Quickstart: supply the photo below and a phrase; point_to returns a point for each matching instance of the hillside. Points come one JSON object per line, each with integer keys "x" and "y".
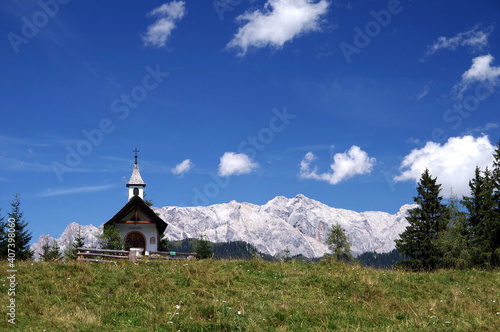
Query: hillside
{"x": 298, "y": 226}
{"x": 215, "y": 295}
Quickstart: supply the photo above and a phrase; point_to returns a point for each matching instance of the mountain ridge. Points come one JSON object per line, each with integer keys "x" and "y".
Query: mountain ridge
{"x": 297, "y": 226}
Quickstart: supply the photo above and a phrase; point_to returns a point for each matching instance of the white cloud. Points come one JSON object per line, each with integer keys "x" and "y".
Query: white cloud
{"x": 453, "y": 163}
{"x": 345, "y": 165}
{"x": 480, "y": 71}
{"x": 183, "y": 167}
{"x": 475, "y": 38}
{"x": 168, "y": 14}
{"x": 279, "y": 22}
{"x": 236, "y": 164}
{"x": 77, "y": 190}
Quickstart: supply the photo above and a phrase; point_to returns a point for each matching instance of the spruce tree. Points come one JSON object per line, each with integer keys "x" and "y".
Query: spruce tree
{"x": 477, "y": 203}
{"x": 339, "y": 244}
{"x": 22, "y": 236}
{"x": 426, "y": 222}
{"x": 50, "y": 252}
{"x": 453, "y": 242}
{"x": 164, "y": 244}
{"x": 481, "y": 217}
{"x": 110, "y": 238}
{"x": 495, "y": 219}
{"x": 72, "y": 249}
{"x": 203, "y": 248}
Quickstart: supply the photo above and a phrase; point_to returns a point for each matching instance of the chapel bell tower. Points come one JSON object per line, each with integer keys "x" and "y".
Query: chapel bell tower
{"x": 136, "y": 185}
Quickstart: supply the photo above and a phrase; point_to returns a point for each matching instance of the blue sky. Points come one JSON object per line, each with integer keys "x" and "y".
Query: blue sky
{"x": 346, "y": 102}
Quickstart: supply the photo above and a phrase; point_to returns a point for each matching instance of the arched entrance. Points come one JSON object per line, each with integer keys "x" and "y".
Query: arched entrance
{"x": 135, "y": 240}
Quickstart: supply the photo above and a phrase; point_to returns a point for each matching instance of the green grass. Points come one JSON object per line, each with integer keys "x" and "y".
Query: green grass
{"x": 213, "y": 295}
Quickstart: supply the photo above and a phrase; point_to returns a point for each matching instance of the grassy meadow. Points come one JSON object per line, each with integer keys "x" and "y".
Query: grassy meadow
{"x": 218, "y": 295}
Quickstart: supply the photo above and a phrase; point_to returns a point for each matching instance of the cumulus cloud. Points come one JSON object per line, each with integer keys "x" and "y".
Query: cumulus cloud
{"x": 475, "y": 38}
{"x": 453, "y": 163}
{"x": 183, "y": 167}
{"x": 232, "y": 163}
{"x": 279, "y": 22}
{"x": 345, "y": 165}
{"x": 168, "y": 14}
{"x": 481, "y": 71}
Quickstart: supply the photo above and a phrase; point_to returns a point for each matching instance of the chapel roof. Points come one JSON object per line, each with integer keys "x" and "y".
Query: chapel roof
{"x": 136, "y": 179}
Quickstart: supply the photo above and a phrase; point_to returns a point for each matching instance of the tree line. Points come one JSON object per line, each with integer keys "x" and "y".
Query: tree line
{"x": 462, "y": 234}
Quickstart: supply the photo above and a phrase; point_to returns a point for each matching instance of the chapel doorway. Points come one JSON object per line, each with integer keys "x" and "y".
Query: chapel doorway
{"x": 135, "y": 240}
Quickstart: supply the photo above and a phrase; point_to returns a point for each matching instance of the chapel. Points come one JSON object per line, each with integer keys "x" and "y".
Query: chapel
{"x": 139, "y": 225}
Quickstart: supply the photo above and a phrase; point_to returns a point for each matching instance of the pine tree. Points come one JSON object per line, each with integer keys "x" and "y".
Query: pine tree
{"x": 203, "y": 248}
{"x": 50, "y": 252}
{"x": 495, "y": 218}
{"x": 427, "y": 221}
{"x": 164, "y": 244}
{"x": 453, "y": 242}
{"x": 110, "y": 238}
{"x": 480, "y": 206}
{"x": 78, "y": 242}
{"x": 22, "y": 236}
{"x": 339, "y": 244}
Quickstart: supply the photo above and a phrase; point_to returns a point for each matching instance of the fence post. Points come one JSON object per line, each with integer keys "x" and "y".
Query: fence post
{"x": 132, "y": 255}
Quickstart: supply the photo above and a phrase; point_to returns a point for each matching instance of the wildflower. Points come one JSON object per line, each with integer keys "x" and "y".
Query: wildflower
{"x": 239, "y": 312}
{"x": 177, "y": 307}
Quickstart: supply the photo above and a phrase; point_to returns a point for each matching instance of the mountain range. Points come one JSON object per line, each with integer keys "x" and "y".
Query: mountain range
{"x": 282, "y": 226}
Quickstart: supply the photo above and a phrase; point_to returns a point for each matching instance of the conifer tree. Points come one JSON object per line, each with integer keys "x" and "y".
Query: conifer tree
{"x": 453, "y": 242}
{"x": 50, "y": 252}
{"x": 480, "y": 206}
{"x": 495, "y": 220}
{"x": 78, "y": 242}
{"x": 164, "y": 244}
{"x": 339, "y": 244}
{"x": 110, "y": 238}
{"x": 426, "y": 222}
{"x": 203, "y": 248}
{"x": 22, "y": 236}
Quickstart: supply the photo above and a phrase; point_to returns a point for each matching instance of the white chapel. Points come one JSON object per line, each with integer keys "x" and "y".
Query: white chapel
{"x": 139, "y": 225}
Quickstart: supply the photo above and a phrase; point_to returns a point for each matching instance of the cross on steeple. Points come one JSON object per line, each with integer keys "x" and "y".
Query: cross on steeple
{"x": 135, "y": 156}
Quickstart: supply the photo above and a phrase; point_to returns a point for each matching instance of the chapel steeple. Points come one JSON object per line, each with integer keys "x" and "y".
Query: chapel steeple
{"x": 136, "y": 184}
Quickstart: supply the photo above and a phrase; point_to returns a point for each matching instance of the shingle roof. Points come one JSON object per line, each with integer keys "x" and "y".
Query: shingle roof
{"x": 136, "y": 179}
{"x": 137, "y": 203}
